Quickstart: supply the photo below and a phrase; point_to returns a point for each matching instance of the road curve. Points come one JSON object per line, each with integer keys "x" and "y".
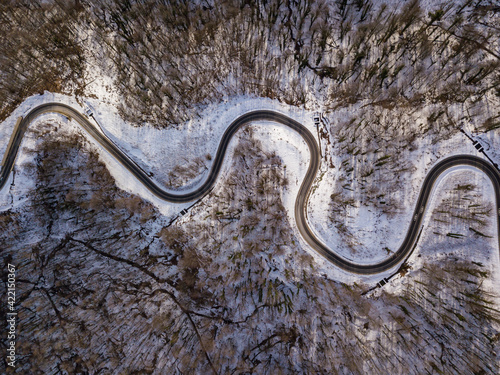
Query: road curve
{"x": 389, "y": 263}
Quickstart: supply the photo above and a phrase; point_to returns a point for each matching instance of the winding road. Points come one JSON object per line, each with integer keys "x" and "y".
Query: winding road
{"x": 389, "y": 263}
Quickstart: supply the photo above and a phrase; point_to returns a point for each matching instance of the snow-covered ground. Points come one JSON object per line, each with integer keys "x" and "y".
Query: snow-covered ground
{"x": 373, "y": 230}
{"x": 436, "y": 244}
{"x": 158, "y": 151}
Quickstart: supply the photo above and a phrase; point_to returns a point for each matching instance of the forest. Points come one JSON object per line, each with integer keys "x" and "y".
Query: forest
{"x": 108, "y": 284}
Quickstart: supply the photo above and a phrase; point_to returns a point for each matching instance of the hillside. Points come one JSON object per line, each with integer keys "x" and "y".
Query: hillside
{"x": 111, "y": 279}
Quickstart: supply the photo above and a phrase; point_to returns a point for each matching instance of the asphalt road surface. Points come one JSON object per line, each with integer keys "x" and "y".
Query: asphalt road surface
{"x": 390, "y": 263}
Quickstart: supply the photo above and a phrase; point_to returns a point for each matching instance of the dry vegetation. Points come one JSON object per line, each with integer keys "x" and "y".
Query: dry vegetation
{"x": 184, "y": 55}
{"x": 182, "y": 174}
{"x": 39, "y": 51}
{"x": 169, "y": 59}
{"x": 462, "y": 204}
{"x": 103, "y": 288}
{"x": 409, "y": 75}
